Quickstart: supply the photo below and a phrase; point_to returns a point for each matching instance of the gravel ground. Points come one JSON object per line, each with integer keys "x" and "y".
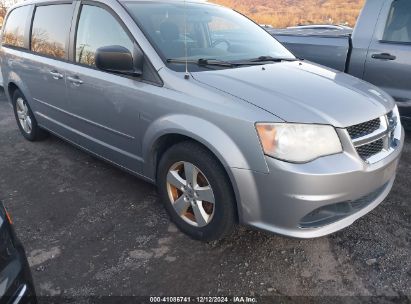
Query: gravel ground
{"x": 91, "y": 229}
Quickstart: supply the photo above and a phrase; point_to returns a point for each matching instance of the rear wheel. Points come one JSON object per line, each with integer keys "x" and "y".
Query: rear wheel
{"x": 196, "y": 192}
{"x": 25, "y": 119}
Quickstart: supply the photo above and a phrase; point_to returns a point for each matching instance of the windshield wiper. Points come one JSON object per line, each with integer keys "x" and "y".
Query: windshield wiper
{"x": 231, "y": 64}
{"x": 270, "y": 58}
{"x": 204, "y": 62}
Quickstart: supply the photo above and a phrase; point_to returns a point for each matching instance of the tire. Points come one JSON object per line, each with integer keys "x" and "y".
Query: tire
{"x": 27, "y": 123}
{"x": 217, "y": 220}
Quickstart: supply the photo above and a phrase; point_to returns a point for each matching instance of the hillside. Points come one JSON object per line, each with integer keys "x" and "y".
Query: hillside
{"x": 283, "y": 13}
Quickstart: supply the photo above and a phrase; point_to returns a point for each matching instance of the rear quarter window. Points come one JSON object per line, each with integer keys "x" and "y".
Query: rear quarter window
{"x": 50, "y": 29}
{"x": 15, "y": 27}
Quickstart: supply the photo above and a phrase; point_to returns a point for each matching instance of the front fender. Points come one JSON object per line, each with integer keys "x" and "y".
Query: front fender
{"x": 211, "y": 136}
{"x": 203, "y": 131}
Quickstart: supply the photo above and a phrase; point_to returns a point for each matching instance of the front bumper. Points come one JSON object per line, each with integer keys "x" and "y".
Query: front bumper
{"x": 314, "y": 199}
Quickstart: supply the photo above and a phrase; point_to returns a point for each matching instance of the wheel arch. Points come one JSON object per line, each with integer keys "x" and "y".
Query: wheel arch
{"x": 14, "y": 82}
{"x": 166, "y": 141}
{"x": 164, "y": 134}
{"x": 11, "y": 88}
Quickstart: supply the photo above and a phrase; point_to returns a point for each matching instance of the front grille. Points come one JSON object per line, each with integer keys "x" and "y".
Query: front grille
{"x": 366, "y": 200}
{"x": 376, "y": 138}
{"x": 364, "y": 129}
{"x": 368, "y": 150}
{"x": 332, "y": 213}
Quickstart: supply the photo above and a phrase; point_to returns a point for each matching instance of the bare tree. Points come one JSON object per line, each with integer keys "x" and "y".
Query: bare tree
{"x": 40, "y": 43}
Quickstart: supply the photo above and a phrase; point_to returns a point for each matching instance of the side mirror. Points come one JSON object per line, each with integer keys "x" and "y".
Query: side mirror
{"x": 118, "y": 59}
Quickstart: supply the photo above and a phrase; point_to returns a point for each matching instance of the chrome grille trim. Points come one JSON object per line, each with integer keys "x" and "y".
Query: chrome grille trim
{"x": 368, "y": 150}
{"x": 380, "y": 141}
{"x": 365, "y": 128}
{"x": 373, "y": 136}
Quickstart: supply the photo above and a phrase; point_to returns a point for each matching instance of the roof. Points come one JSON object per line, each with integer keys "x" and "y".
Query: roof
{"x": 28, "y": 2}
{"x": 173, "y": 1}
{"x": 167, "y": 1}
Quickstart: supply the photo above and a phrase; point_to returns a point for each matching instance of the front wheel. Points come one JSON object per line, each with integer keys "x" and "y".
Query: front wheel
{"x": 196, "y": 192}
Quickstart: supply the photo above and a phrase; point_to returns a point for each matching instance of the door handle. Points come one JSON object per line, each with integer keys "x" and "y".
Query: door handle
{"x": 56, "y": 75}
{"x": 384, "y": 56}
{"x": 75, "y": 80}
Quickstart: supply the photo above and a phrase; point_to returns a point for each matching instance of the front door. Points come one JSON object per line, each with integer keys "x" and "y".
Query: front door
{"x": 104, "y": 107}
{"x": 388, "y": 62}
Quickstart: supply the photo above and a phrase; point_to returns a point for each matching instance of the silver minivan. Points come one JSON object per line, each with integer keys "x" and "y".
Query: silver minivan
{"x": 194, "y": 97}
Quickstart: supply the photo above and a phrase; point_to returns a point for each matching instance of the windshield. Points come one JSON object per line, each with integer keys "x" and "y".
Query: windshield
{"x": 211, "y": 33}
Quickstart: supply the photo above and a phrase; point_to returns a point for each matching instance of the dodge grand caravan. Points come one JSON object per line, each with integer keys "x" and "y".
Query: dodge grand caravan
{"x": 194, "y": 97}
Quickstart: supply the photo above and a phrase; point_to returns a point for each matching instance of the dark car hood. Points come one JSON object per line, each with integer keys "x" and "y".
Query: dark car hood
{"x": 302, "y": 92}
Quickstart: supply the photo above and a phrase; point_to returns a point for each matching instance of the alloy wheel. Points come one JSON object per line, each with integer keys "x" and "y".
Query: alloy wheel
{"x": 190, "y": 194}
{"x": 24, "y": 115}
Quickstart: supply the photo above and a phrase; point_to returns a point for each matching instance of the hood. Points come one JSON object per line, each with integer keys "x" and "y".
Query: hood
{"x": 302, "y": 92}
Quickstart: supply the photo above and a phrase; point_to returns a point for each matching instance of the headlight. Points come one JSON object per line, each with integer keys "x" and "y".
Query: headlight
{"x": 298, "y": 143}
